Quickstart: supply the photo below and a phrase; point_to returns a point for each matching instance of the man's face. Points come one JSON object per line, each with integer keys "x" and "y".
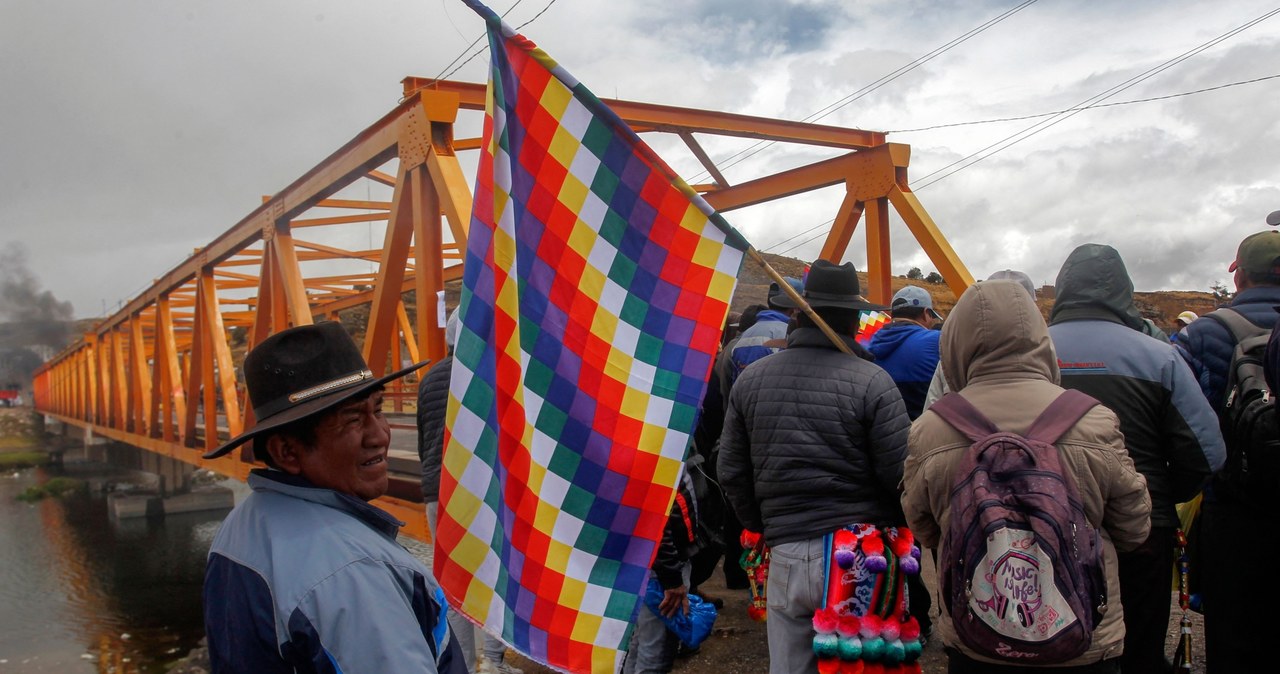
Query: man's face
{"x": 350, "y": 453}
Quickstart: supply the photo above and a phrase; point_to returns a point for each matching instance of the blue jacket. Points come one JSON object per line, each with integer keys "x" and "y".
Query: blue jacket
{"x": 1207, "y": 345}
{"x": 909, "y": 353}
{"x": 751, "y": 345}
{"x": 1169, "y": 429}
{"x": 304, "y": 579}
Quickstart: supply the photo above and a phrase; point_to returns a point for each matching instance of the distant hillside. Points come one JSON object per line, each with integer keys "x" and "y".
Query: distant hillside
{"x": 1162, "y": 307}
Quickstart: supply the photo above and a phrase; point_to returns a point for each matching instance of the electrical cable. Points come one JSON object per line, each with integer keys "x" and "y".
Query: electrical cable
{"x": 482, "y": 49}
{"x": 1014, "y": 139}
{"x": 1087, "y": 107}
{"x": 756, "y": 148}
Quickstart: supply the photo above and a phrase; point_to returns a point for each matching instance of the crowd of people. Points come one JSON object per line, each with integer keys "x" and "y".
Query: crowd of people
{"x": 840, "y": 455}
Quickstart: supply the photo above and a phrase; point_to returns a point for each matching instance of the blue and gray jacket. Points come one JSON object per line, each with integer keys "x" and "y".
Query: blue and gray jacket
{"x": 1169, "y": 428}
{"x": 909, "y": 353}
{"x": 304, "y": 579}
{"x": 754, "y": 344}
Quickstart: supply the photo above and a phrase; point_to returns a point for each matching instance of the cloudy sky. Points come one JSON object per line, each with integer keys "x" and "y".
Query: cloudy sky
{"x": 134, "y": 131}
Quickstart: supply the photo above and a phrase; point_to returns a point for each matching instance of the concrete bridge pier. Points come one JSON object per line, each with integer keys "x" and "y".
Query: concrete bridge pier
{"x": 166, "y": 484}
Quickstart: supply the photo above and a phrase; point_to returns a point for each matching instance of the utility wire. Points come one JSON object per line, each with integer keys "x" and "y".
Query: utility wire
{"x": 482, "y": 49}
{"x": 1071, "y": 111}
{"x": 1087, "y": 107}
{"x": 756, "y": 148}
{"x": 1014, "y": 139}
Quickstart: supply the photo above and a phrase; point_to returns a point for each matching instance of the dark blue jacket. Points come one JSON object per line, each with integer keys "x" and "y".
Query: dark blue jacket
{"x": 1170, "y": 430}
{"x": 302, "y": 579}
{"x": 909, "y": 353}
{"x": 1207, "y": 344}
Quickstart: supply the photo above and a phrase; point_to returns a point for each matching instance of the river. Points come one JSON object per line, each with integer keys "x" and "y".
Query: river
{"x": 81, "y": 593}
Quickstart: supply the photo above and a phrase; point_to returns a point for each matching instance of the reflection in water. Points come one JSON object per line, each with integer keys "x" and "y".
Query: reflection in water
{"x": 80, "y": 593}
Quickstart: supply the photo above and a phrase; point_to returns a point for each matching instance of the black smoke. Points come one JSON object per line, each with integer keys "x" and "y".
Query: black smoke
{"x": 32, "y": 320}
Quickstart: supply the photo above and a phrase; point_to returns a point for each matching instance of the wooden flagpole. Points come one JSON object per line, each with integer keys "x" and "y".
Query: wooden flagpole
{"x": 795, "y": 297}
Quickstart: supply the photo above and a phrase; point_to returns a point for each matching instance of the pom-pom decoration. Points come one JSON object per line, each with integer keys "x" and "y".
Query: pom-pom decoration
{"x": 826, "y": 645}
{"x": 873, "y": 552}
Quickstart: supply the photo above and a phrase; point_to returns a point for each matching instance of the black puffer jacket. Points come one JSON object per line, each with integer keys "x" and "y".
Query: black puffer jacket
{"x": 813, "y": 439}
{"x": 433, "y": 396}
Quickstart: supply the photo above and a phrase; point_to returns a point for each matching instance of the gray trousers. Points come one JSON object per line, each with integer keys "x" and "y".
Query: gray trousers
{"x": 463, "y": 631}
{"x": 794, "y": 591}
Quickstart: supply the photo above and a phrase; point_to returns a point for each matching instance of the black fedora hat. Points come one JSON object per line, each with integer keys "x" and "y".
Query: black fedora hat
{"x": 302, "y": 371}
{"x": 832, "y": 285}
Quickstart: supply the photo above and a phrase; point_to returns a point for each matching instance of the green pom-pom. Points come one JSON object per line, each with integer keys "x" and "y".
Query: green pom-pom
{"x": 826, "y": 645}
{"x": 894, "y": 652}
{"x": 850, "y": 648}
{"x": 912, "y": 650}
{"x": 873, "y": 649}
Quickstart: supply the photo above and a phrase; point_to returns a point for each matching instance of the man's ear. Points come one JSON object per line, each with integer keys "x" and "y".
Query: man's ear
{"x": 286, "y": 452}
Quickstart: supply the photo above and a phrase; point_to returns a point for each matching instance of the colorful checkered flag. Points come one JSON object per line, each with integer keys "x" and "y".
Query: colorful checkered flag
{"x": 595, "y": 288}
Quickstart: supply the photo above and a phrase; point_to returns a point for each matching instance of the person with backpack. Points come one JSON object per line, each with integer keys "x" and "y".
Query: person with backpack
{"x": 1169, "y": 428}
{"x": 1237, "y": 547}
{"x": 1028, "y": 576}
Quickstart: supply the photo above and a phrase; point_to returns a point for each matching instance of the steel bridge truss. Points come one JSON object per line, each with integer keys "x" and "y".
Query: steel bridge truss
{"x": 160, "y": 373}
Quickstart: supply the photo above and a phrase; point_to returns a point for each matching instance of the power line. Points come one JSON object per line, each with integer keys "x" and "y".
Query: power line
{"x": 1014, "y": 139}
{"x": 518, "y": 29}
{"x": 1087, "y": 107}
{"x": 473, "y": 43}
{"x": 756, "y": 148}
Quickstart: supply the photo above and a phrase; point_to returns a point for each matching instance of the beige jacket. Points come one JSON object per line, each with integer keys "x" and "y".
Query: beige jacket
{"x": 996, "y": 353}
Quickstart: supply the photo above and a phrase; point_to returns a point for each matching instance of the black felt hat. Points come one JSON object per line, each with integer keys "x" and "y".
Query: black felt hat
{"x": 832, "y": 285}
{"x": 302, "y": 371}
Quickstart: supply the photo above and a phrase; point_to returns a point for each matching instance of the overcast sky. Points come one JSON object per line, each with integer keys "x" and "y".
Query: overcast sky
{"x": 134, "y": 131}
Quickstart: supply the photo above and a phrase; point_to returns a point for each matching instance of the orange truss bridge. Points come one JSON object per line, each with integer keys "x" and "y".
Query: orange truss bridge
{"x": 160, "y": 373}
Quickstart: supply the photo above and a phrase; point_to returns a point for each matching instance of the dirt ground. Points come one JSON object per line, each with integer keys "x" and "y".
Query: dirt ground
{"x": 739, "y": 645}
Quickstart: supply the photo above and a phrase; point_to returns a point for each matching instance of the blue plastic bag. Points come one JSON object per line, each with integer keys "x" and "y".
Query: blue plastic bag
{"x": 693, "y": 628}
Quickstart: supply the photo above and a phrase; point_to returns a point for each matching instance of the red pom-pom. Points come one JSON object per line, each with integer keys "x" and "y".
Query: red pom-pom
{"x": 849, "y": 626}
{"x": 910, "y": 630}
{"x": 828, "y": 665}
{"x": 749, "y": 539}
{"x": 825, "y": 620}
{"x": 757, "y": 613}
{"x": 871, "y": 626}
{"x": 872, "y": 544}
{"x": 874, "y": 668}
{"x": 892, "y": 630}
{"x": 900, "y": 541}
{"x": 852, "y": 667}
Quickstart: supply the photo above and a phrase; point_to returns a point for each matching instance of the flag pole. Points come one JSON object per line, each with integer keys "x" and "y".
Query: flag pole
{"x": 799, "y": 301}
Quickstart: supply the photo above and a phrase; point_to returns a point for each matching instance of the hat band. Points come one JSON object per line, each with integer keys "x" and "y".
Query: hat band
{"x": 836, "y": 297}
{"x": 329, "y": 386}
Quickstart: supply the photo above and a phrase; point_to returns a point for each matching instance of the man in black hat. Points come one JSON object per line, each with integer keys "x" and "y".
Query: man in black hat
{"x": 305, "y": 575}
{"x": 814, "y": 439}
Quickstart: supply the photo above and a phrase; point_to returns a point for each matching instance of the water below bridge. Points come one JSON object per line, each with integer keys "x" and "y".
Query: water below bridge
{"x": 82, "y": 593}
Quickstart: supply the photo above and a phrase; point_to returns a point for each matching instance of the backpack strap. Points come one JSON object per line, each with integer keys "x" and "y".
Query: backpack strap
{"x": 1247, "y": 335}
{"x": 963, "y": 416}
{"x": 1060, "y": 416}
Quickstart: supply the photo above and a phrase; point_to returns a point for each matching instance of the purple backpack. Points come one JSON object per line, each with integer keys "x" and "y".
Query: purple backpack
{"x": 1021, "y": 566}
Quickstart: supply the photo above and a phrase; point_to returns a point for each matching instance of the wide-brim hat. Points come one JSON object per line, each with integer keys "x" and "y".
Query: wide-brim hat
{"x": 831, "y": 285}
{"x": 300, "y": 372}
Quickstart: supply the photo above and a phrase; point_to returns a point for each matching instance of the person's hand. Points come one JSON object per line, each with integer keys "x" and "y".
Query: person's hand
{"x": 673, "y": 600}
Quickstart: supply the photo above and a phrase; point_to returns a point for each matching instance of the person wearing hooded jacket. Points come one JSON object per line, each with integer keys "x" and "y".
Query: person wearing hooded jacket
{"x": 813, "y": 440}
{"x": 1169, "y": 428}
{"x": 997, "y": 353}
